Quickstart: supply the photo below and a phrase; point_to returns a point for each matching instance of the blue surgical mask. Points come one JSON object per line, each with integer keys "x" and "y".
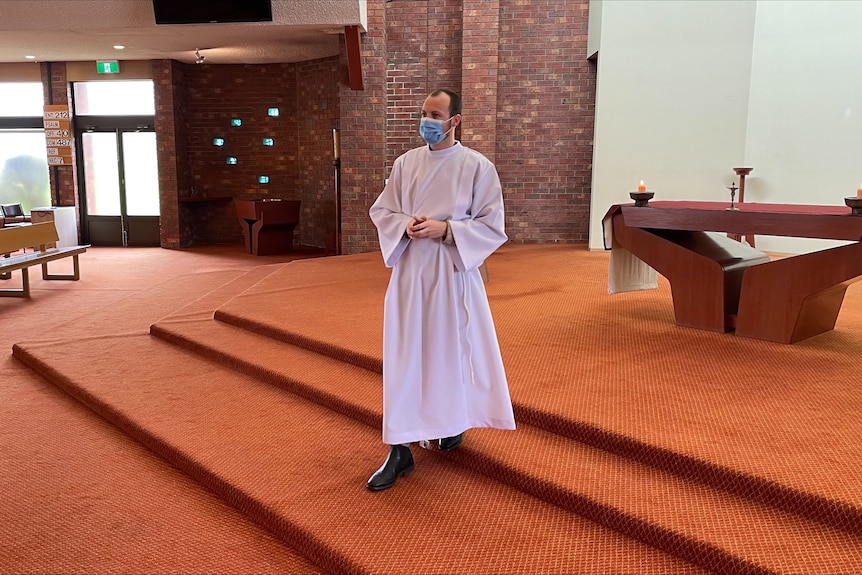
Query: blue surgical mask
{"x": 431, "y": 130}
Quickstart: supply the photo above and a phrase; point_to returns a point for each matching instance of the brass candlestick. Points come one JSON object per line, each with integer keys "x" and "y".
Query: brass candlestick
{"x": 855, "y": 205}
{"x": 641, "y": 198}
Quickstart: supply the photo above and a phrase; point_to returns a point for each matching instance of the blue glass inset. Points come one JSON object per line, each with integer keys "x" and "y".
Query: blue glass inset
{"x": 263, "y": 179}
{"x": 272, "y": 112}
{"x": 218, "y": 141}
{"x": 268, "y": 142}
{"x": 231, "y": 160}
{"x": 235, "y": 122}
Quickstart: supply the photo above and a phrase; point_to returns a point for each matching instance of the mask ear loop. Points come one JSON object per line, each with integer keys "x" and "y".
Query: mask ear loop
{"x": 452, "y": 127}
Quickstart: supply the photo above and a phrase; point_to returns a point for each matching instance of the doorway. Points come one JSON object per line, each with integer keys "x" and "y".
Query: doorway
{"x": 118, "y": 171}
{"x": 121, "y": 184}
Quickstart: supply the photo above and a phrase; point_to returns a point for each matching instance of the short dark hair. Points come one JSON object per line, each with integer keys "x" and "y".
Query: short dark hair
{"x": 454, "y": 100}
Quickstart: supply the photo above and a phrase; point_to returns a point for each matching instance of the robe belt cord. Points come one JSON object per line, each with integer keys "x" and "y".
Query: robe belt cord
{"x": 466, "y": 307}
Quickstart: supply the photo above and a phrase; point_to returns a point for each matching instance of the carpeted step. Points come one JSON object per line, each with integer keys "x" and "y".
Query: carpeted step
{"x": 720, "y": 531}
{"x": 299, "y": 469}
{"x": 80, "y": 496}
{"x": 350, "y": 289}
{"x": 610, "y": 372}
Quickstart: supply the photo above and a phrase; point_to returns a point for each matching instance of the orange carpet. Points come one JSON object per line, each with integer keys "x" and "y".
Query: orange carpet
{"x": 79, "y": 496}
{"x": 642, "y": 446}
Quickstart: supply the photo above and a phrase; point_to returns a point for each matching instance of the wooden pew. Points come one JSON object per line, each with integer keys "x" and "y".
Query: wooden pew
{"x": 38, "y": 237}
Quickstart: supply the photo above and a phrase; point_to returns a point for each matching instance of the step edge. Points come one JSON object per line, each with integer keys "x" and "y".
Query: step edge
{"x": 820, "y": 509}
{"x": 665, "y": 538}
{"x": 296, "y": 538}
{"x": 318, "y": 346}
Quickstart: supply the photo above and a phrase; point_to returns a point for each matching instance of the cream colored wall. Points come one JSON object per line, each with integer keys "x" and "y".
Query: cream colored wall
{"x": 20, "y": 72}
{"x": 129, "y": 70}
{"x": 805, "y": 118}
{"x": 671, "y": 100}
{"x": 76, "y": 71}
{"x": 688, "y": 90}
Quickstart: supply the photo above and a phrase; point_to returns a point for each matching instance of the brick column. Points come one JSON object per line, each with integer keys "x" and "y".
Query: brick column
{"x": 63, "y": 179}
{"x": 363, "y": 136}
{"x": 480, "y": 62}
{"x": 169, "y": 87}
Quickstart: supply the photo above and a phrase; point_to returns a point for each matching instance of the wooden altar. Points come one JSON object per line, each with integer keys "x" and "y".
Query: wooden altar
{"x": 721, "y": 286}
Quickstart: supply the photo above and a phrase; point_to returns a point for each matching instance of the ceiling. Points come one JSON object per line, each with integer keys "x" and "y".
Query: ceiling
{"x": 88, "y": 30}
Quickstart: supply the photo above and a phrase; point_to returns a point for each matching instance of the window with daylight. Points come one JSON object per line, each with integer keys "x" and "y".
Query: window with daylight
{"x": 115, "y": 98}
{"x": 23, "y": 154}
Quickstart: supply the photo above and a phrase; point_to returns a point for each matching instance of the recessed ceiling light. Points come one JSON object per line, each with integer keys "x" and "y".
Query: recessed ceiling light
{"x": 118, "y": 47}
{"x": 30, "y": 57}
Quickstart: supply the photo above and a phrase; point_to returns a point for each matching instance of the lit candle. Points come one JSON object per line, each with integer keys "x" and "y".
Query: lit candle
{"x": 859, "y": 191}
{"x": 642, "y": 187}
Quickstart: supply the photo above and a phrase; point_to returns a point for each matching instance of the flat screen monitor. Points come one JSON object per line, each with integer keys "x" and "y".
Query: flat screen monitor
{"x": 211, "y": 11}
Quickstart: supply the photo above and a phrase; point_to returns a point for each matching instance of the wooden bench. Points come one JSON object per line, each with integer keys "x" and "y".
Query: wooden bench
{"x": 38, "y": 237}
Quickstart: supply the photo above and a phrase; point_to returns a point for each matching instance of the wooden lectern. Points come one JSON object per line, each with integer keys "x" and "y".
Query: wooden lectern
{"x": 267, "y": 225}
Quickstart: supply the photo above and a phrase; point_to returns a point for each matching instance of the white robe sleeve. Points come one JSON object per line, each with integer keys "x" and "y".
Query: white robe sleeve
{"x": 478, "y": 236}
{"x": 390, "y": 221}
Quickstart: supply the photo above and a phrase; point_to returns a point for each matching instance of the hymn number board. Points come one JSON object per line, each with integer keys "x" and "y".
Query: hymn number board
{"x": 58, "y": 134}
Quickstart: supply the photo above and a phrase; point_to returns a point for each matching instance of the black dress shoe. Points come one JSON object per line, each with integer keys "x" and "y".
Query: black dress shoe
{"x": 399, "y": 463}
{"x": 450, "y": 443}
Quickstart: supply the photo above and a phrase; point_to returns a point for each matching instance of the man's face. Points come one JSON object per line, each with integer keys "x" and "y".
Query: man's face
{"x": 436, "y": 107}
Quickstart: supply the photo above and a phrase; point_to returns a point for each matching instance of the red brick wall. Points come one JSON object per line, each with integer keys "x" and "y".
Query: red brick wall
{"x": 317, "y": 109}
{"x": 216, "y": 94}
{"x": 423, "y": 44}
{"x": 196, "y": 104}
{"x": 169, "y": 83}
{"x": 528, "y": 105}
{"x": 362, "y": 121}
{"x": 545, "y": 112}
{"x": 480, "y": 70}
{"x": 219, "y": 93}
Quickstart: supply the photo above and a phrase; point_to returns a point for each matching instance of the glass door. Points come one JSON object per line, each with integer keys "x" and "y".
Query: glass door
{"x": 121, "y": 187}
{"x": 140, "y": 188}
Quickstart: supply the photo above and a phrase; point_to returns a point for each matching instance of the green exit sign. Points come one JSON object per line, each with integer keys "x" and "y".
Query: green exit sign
{"x": 108, "y": 67}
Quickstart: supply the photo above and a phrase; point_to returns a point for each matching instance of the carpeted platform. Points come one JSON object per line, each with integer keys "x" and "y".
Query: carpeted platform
{"x": 79, "y": 495}
{"x": 642, "y": 447}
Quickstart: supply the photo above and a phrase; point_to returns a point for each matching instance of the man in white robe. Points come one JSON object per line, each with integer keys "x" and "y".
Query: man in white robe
{"x": 438, "y": 218}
